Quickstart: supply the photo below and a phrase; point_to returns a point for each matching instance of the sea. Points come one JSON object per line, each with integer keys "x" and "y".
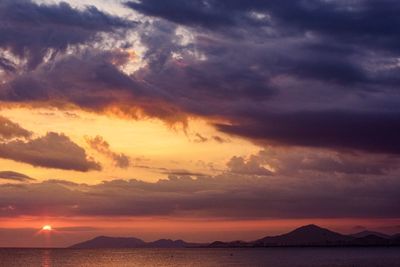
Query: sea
{"x": 269, "y": 257}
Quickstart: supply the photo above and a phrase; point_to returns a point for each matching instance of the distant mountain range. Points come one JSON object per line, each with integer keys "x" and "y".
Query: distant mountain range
{"x": 309, "y": 235}
{"x": 131, "y": 242}
{"x": 313, "y": 235}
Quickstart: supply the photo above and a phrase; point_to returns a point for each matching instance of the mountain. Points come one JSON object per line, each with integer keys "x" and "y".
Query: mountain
{"x": 367, "y": 233}
{"x": 309, "y": 235}
{"x": 312, "y": 235}
{"x": 130, "y": 242}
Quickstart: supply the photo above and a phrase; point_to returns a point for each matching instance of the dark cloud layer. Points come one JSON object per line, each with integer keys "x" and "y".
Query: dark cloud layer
{"x": 51, "y": 151}
{"x": 302, "y": 184}
{"x": 92, "y": 80}
{"x": 365, "y": 22}
{"x": 228, "y": 196}
{"x": 375, "y": 132}
{"x": 338, "y": 47}
{"x": 313, "y": 73}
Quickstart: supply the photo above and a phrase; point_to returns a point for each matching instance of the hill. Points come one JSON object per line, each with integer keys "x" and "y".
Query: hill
{"x": 309, "y": 235}
{"x": 129, "y": 242}
{"x": 367, "y": 233}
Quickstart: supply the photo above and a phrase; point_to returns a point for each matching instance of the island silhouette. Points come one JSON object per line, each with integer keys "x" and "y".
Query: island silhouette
{"x": 305, "y": 236}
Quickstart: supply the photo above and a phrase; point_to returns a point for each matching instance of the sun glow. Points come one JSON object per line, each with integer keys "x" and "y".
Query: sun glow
{"x": 47, "y": 228}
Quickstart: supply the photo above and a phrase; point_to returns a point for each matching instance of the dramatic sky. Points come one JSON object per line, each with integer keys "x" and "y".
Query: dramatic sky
{"x": 200, "y": 119}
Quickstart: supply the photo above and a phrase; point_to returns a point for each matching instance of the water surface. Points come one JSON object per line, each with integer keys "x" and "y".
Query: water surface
{"x": 270, "y": 257}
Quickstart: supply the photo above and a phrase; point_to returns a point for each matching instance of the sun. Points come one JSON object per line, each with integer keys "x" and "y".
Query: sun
{"x": 47, "y": 228}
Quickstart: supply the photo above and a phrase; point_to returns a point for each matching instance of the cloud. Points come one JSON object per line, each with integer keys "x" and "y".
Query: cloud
{"x": 188, "y": 13}
{"x": 251, "y": 166}
{"x": 219, "y": 139}
{"x": 7, "y": 65}
{"x": 303, "y": 51}
{"x": 227, "y": 195}
{"x": 320, "y": 74}
{"x": 181, "y": 173}
{"x": 357, "y": 21}
{"x": 311, "y": 162}
{"x": 15, "y": 176}
{"x": 202, "y": 139}
{"x": 100, "y": 145}
{"x": 34, "y": 31}
{"x": 9, "y": 129}
{"x": 50, "y": 151}
{"x": 373, "y": 132}
{"x": 68, "y": 75}
{"x": 92, "y": 80}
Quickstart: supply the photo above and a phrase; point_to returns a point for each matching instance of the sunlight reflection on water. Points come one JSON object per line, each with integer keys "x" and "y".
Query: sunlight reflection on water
{"x": 46, "y": 258}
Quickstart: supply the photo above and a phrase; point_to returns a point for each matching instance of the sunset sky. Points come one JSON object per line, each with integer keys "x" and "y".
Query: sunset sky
{"x": 197, "y": 120}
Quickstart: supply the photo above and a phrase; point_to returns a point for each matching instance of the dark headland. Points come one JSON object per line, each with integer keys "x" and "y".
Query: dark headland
{"x": 305, "y": 236}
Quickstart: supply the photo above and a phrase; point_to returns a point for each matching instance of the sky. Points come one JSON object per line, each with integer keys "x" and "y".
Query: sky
{"x": 197, "y": 120}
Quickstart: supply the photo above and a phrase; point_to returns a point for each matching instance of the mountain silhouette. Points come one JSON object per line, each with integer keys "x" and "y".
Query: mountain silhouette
{"x": 130, "y": 242}
{"x": 309, "y": 235}
{"x": 367, "y": 233}
{"x": 313, "y": 235}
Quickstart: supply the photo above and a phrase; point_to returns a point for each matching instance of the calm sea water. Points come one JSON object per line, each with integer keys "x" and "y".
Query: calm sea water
{"x": 270, "y": 257}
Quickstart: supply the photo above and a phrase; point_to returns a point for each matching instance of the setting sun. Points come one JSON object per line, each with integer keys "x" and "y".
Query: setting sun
{"x": 47, "y": 228}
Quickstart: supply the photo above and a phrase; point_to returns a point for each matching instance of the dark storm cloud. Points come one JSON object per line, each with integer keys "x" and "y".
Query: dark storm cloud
{"x": 87, "y": 79}
{"x": 33, "y": 31}
{"x": 375, "y": 132}
{"x": 196, "y": 13}
{"x": 295, "y": 73}
{"x": 90, "y": 79}
{"x": 352, "y": 21}
{"x": 50, "y": 151}
{"x": 335, "y": 33}
{"x": 15, "y": 176}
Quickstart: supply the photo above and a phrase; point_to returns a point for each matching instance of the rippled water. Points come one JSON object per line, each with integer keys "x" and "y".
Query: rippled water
{"x": 273, "y": 257}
